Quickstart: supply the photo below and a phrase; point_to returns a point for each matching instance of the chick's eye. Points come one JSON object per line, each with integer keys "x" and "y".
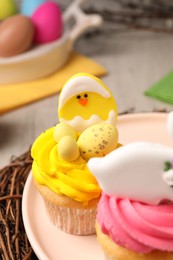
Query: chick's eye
{"x": 85, "y": 95}
{"x": 78, "y": 97}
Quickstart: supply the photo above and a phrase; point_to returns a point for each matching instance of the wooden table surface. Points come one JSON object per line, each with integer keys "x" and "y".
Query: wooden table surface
{"x": 134, "y": 60}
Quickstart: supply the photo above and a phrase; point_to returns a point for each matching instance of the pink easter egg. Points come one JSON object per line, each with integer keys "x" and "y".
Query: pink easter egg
{"x": 47, "y": 20}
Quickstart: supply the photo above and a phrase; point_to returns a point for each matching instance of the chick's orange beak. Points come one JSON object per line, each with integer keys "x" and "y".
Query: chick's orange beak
{"x": 83, "y": 101}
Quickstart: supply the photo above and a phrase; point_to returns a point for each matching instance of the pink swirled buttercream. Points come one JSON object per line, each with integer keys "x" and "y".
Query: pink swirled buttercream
{"x": 139, "y": 227}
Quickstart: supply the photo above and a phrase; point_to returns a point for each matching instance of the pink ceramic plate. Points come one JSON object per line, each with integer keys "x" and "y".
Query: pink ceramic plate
{"x": 50, "y": 243}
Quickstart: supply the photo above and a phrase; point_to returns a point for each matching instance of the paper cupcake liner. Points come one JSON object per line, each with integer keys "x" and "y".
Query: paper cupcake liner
{"x": 72, "y": 220}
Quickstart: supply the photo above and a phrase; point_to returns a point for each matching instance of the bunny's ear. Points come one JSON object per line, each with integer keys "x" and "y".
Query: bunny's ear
{"x": 170, "y": 124}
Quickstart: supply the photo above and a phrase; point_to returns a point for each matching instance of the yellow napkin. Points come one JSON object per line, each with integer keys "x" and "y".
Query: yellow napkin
{"x": 16, "y": 95}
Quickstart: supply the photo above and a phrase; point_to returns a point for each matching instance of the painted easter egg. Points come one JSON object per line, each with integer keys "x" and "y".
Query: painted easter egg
{"x": 68, "y": 149}
{"x": 61, "y": 130}
{"x": 28, "y": 7}
{"x": 98, "y": 140}
{"x": 7, "y": 8}
{"x": 16, "y": 35}
{"x": 47, "y": 20}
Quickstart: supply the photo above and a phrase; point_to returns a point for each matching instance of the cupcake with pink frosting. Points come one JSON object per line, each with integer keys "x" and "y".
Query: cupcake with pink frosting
{"x": 135, "y": 212}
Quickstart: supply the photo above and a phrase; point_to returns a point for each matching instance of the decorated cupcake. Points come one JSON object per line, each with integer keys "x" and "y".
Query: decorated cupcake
{"x": 135, "y": 212}
{"x": 87, "y": 128}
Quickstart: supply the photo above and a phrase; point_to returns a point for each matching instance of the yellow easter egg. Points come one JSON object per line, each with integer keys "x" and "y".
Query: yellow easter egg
{"x": 7, "y": 8}
{"x": 63, "y": 129}
{"x": 98, "y": 140}
{"x": 68, "y": 149}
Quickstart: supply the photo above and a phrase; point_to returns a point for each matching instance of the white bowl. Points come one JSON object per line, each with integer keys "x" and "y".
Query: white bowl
{"x": 45, "y": 59}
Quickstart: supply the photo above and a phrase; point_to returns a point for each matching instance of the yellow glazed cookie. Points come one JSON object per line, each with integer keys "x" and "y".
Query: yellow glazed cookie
{"x": 86, "y": 101}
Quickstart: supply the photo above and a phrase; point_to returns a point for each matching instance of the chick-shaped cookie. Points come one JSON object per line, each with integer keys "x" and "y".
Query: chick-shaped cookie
{"x": 85, "y": 101}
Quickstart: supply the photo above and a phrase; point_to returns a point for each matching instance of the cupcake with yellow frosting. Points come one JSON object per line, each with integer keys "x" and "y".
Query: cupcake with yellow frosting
{"x": 70, "y": 192}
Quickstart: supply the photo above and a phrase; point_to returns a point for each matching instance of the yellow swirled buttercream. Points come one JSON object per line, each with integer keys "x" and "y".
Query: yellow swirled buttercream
{"x": 72, "y": 179}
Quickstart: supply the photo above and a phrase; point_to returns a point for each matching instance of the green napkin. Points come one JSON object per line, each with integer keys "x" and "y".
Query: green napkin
{"x": 163, "y": 89}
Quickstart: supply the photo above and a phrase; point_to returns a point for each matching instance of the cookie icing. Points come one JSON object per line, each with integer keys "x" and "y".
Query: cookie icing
{"x": 79, "y": 83}
{"x": 134, "y": 171}
{"x": 80, "y": 124}
{"x": 168, "y": 177}
{"x": 85, "y": 101}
